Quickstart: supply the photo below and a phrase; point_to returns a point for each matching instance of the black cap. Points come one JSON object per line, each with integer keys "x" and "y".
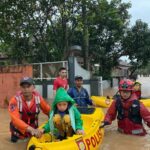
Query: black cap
{"x": 78, "y": 77}
{"x": 27, "y": 80}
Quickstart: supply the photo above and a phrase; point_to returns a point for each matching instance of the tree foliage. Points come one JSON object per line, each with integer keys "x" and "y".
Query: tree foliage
{"x": 137, "y": 45}
{"x": 144, "y": 70}
{"x": 43, "y": 30}
{"x": 37, "y": 28}
{"x": 106, "y": 34}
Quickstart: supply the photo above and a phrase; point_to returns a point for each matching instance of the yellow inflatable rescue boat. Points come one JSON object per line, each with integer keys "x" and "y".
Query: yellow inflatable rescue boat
{"x": 105, "y": 102}
{"x": 145, "y": 101}
{"x": 102, "y": 101}
{"x": 92, "y": 118}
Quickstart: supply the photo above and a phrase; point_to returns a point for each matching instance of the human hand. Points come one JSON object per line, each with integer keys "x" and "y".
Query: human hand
{"x": 107, "y": 100}
{"x": 38, "y": 132}
{"x": 104, "y": 123}
{"x": 80, "y": 132}
{"x": 30, "y": 130}
{"x": 35, "y": 132}
{"x": 93, "y": 104}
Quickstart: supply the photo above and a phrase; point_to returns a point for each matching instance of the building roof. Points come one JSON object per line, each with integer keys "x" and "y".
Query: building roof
{"x": 124, "y": 63}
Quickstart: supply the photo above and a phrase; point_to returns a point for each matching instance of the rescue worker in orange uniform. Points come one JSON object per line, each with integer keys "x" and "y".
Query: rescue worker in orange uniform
{"x": 129, "y": 111}
{"x": 24, "y": 109}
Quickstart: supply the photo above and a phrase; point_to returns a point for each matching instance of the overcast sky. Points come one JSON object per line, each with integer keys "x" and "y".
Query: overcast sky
{"x": 140, "y": 10}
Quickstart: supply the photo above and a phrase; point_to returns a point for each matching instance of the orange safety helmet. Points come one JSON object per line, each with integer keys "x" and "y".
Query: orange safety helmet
{"x": 126, "y": 85}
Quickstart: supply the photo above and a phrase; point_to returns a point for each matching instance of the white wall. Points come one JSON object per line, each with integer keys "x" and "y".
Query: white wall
{"x": 106, "y": 84}
{"x": 87, "y": 87}
{"x": 39, "y": 89}
{"x": 145, "y": 88}
{"x": 81, "y": 71}
{"x": 84, "y": 73}
{"x": 49, "y": 90}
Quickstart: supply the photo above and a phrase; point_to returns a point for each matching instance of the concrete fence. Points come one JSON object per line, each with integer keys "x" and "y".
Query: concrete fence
{"x": 44, "y": 75}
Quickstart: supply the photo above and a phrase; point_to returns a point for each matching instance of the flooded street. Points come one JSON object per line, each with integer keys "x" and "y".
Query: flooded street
{"x": 112, "y": 139}
{"x": 5, "y": 143}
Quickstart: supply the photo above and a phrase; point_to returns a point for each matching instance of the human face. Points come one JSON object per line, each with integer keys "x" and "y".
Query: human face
{"x": 63, "y": 73}
{"x": 79, "y": 82}
{"x": 125, "y": 94}
{"x": 27, "y": 89}
{"x": 62, "y": 106}
{"x": 137, "y": 87}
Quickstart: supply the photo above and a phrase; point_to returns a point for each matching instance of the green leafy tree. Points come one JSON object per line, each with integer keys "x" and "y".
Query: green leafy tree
{"x": 144, "y": 70}
{"x": 38, "y": 30}
{"x": 109, "y": 22}
{"x": 22, "y": 27}
{"x": 137, "y": 45}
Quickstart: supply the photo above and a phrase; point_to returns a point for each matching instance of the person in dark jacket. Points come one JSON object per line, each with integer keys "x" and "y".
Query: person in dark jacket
{"x": 79, "y": 93}
{"x": 129, "y": 111}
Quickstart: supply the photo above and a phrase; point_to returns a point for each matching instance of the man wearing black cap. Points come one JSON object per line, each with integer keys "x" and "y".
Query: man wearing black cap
{"x": 80, "y": 94}
{"x": 24, "y": 109}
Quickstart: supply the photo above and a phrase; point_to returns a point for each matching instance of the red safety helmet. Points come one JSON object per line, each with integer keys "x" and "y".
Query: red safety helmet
{"x": 126, "y": 85}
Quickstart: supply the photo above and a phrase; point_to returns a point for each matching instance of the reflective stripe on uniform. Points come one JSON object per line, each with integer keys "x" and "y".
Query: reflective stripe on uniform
{"x": 19, "y": 103}
{"x": 137, "y": 131}
{"x": 37, "y": 101}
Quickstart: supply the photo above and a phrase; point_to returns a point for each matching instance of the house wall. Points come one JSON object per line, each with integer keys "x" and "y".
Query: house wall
{"x": 9, "y": 80}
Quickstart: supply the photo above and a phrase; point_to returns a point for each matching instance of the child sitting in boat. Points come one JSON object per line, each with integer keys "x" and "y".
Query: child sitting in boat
{"x": 129, "y": 111}
{"x": 65, "y": 119}
{"x": 137, "y": 89}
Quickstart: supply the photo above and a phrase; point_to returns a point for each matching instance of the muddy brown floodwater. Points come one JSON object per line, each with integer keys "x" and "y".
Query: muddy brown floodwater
{"x": 5, "y": 143}
{"x": 112, "y": 139}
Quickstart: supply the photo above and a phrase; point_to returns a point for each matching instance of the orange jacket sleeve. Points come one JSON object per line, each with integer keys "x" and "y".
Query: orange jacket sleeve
{"x": 44, "y": 106}
{"x": 15, "y": 116}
